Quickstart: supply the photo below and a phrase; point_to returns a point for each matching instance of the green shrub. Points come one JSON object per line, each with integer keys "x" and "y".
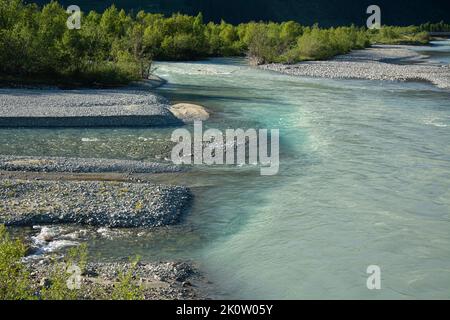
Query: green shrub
{"x": 14, "y": 278}
{"x": 315, "y": 45}
{"x": 400, "y": 35}
{"x": 127, "y": 287}
{"x": 63, "y": 273}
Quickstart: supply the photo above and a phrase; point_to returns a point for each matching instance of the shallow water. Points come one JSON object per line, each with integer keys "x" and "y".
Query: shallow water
{"x": 364, "y": 180}
{"x": 440, "y": 51}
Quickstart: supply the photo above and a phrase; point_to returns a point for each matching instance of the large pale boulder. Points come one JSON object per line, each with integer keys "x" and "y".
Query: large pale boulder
{"x": 188, "y": 112}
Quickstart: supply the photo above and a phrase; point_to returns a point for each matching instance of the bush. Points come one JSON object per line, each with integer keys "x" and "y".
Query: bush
{"x": 126, "y": 288}
{"x": 400, "y": 35}
{"x": 14, "y": 278}
{"x": 16, "y": 283}
{"x": 315, "y": 45}
{"x": 63, "y": 272}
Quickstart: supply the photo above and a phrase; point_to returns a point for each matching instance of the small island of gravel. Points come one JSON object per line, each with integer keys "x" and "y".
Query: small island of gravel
{"x": 380, "y": 62}
{"x": 110, "y": 204}
{"x": 84, "y": 108}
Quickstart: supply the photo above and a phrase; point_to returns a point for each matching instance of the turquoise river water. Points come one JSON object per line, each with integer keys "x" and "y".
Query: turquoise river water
{"x": 364, "y": 180}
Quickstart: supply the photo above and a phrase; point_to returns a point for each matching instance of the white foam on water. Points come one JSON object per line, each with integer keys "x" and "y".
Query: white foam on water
{"x": 90, "y": 139}
{"x": 51, "y": 239}
{"x": 434, "y": 121}
{"x": 194, "y": 69}
{"x": 145, "y": 139}
{"x": 108, "y": 233}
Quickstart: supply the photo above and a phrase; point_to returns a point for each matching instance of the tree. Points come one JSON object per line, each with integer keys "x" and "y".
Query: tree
{"x": 142, "y": 56}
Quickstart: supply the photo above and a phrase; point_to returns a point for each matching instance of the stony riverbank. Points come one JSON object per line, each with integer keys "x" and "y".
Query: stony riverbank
{"x": 74, "y": 200}
{"x": 84, "y": 108}
{"x": 157, "y": 280}
{"x": 82, "y": 165}
{"x": 111, "y": 204}
{"x": 380, "y": 62}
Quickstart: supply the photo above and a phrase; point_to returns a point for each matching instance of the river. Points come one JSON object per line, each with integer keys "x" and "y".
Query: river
{"x": 364, "y": 180}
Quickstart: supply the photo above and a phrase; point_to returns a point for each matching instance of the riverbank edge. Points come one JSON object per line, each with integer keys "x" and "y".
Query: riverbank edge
{"x": 132, "y": 106}
{"x": 378, "y": 62}
{"x": 182, "y": 281}
{"x": 10, "y": 82}
{"x": 172, "y": 280}
{"x": 158, "y": 280}
{"x": 83, "y": 165}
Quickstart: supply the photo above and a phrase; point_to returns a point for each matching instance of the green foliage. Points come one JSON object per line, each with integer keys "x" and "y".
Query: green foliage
{"x": 63, "y": 272}
{"x": 435, "y": 27}
{"x": 78, "y": 256}
{"x": 57, "y": 288}
{"x": 399, "y": 35}
{"x": 114, "y": 47}
{"x": 36, "y": 43}
{"x": 126, "y": 288}
{"x": 289, "y": 42}
{"x": 14, "y": 278}
{"x": 316, "y": 43}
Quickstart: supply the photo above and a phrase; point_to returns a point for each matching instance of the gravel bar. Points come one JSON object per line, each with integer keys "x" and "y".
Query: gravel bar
{"x": 159, "y": 280}
{"x": 381, "y": 62}
{"x": 82, "y": 165}
{"x": 109, "y": 204}
{"x": 83, "y": 108}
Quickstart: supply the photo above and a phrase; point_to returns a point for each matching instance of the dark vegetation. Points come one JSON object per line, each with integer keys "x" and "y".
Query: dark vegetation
{"x": 307, "y": 12}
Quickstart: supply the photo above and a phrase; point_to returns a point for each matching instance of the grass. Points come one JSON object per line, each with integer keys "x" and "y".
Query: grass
{"x": 139, "y": 206}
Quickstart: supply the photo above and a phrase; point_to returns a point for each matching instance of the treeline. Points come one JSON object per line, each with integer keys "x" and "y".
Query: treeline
{"x": 435, "y": 27}
{"x": 36, "y": 44}
{"x": 399, "y": 35}
{"x": 115, "y": 47}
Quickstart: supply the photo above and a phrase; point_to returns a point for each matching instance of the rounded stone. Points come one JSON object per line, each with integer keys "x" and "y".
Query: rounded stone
{"x": 188, "y": 112}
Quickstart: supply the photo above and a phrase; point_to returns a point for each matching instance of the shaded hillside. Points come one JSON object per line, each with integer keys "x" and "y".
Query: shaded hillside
{"x": 326, "y": 12}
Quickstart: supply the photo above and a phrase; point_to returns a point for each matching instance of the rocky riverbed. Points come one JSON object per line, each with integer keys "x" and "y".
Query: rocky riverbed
{"x": 381, "y": 62}
{"x": 111, "y": 204}
{"x": 72, "y": 200}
